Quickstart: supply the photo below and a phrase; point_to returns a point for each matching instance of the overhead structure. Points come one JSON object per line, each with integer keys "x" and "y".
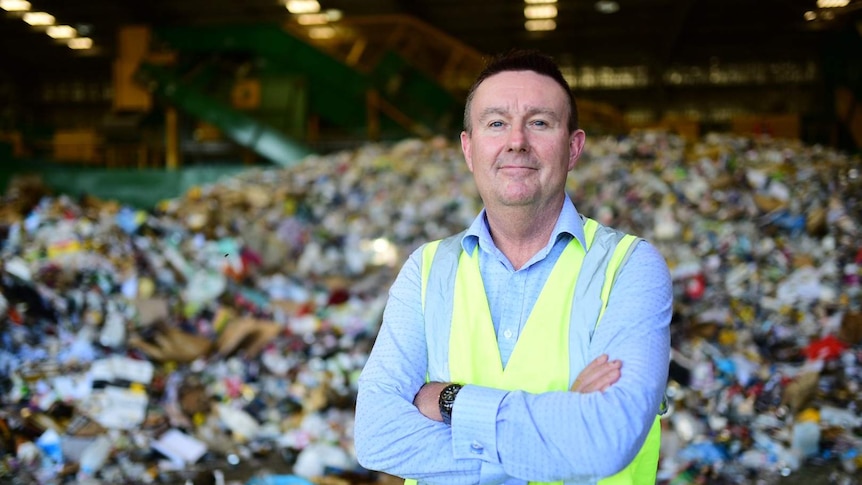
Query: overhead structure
{"x": 452, "y": 64}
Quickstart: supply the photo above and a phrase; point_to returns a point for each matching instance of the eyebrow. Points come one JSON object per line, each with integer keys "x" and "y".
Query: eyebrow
{"x": 531, "y": 111}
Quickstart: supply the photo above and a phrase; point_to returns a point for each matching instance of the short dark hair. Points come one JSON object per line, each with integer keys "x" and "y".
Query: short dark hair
{"x": 523, "y": 60}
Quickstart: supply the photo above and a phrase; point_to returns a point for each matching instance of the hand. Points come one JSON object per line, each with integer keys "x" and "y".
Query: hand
{"x": 599, "y": 375}
{"x": 428, "y": 400}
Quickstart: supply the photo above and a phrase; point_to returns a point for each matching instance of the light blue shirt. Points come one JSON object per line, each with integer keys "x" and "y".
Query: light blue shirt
{"x": 513, "y": 437}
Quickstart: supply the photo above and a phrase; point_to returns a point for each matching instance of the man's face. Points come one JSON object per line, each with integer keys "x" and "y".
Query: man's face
{"x": 520, "y": 150}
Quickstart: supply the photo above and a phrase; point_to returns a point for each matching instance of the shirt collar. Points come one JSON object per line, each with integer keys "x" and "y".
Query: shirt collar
{"x": 569, "y": 223}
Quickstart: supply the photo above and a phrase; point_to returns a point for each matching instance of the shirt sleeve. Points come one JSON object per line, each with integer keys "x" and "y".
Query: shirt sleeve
{"x": 390, "y": 434}
{"x": 572, "y": 436}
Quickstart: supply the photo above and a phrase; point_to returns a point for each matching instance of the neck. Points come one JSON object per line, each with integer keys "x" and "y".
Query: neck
{"x": 520, "y": 234}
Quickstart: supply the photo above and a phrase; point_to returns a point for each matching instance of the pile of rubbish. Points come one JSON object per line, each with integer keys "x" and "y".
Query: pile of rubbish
{"x": 227, "y": 328}
{"x": 762, "y": 239}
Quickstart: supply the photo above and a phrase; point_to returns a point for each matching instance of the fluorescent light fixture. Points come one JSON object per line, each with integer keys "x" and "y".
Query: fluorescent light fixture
{"x": 810, "y": 15}
{"x": 832, "y": 3}
{"x": 312, "y": 19}
{"x": 39, "y": 18}
{"x": 321, "y": 33}
{"x": 540, "y": 1}
{"x": 334, "y": 15}
{"x": 302, "y": 6}
{"x": 61, "y": 32}
{"x": 607, "y": 6}
{"x": 540, "y": 11}
{"x": 538, "y": 25}
{"x": 14, "y": 5}
{"x": 80, "y": 43}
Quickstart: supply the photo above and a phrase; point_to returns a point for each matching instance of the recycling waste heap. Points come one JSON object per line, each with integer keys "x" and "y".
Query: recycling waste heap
{"x": 227, "y": 327}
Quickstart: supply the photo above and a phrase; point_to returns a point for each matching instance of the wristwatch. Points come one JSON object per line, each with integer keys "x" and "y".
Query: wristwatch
{"x": 447, "y": 399}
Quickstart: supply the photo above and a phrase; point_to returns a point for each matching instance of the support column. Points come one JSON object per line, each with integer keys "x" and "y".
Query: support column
{"x": 372, "y": 103}
{"x": 172, "y": 139}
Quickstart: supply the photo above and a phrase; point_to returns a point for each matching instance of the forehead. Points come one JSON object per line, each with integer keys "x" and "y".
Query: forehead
{"x": 522, "y": 88}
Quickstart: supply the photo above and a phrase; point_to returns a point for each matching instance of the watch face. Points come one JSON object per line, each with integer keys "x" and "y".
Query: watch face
{"x": 447, "y": 400}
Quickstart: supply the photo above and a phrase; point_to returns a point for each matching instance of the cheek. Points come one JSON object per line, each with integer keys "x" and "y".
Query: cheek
{"x": 483, "y": 155}
{"x": 562, "y": 155}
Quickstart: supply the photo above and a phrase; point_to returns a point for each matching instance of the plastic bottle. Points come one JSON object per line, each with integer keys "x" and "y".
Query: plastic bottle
{"x": 806, "y": 438}
{"x": 94, "y": 457}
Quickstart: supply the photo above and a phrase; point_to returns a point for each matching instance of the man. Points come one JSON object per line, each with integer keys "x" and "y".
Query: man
{"x": 508, "y": 353}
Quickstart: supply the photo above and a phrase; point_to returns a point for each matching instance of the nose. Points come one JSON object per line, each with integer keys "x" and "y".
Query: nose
{"x": 518, "y": 139}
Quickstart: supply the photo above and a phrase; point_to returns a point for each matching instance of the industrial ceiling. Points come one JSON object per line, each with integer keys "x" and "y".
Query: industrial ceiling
{"x": 638, "y": 60}
{"x": 640, "y": 32}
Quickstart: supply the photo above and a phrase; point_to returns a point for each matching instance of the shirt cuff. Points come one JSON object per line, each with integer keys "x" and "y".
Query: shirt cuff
{"x": 474, "y": 423}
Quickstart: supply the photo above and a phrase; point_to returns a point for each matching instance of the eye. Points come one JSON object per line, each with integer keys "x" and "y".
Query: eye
{"x": 495, "y": 124}
{"x": 539, "y": 123}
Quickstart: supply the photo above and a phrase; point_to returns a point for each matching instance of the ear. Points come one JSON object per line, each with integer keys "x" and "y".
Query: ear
{"x": 576, "y": 146}
{"x": 465, "y": 148}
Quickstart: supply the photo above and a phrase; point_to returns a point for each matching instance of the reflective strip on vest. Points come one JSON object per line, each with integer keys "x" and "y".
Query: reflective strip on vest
{"x": 453, "y": 296}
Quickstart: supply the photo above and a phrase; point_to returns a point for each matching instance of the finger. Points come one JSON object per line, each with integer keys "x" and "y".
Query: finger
{"x": 592, "y": 369}
{"x": 586, "y": 372}
{"x": 603, "y": 382}
{"x": 597, "y": 378}
{"x": 596, "y": 381}
{"x": 596, "y": 363}
{"x": 592, "y": 366}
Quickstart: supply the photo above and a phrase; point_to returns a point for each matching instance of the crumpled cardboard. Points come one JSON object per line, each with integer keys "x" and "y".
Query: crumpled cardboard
{"x": 851, "y": 328}
{"x": 799, "y": 393}
{"x": 246, "y": 335}
{"x": 152, "y": 310}
{"x": 170, "y": 344}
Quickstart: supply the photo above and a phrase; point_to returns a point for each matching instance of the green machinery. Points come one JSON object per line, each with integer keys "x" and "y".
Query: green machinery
{"x": 296, "y": 83}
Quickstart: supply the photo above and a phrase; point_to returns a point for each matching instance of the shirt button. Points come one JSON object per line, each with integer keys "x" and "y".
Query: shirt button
{"x": 507, "y": 334}
{"x": 476, "y": 447}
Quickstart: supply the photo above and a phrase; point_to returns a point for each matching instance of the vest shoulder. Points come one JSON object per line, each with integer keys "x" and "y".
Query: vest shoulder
{"x": 449, "y": 244}
{"x": 600, "y": 228}
{"x": 606, "y": 236}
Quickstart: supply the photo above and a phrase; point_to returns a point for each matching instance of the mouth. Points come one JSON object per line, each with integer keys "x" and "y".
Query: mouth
{"x": 518, "y": 163}
{"x": 517, "y": 168}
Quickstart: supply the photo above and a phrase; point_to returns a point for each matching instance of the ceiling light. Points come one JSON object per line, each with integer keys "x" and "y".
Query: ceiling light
{"x": 302, "y": 6}
{"x": 334, "y": 15}
{"x": 61, "y": 32}
{"x": 15, "y": 5}
{"x": 39, "y": 18}
{"x": 312, "y": 19}
{"x": 810, "y": 15}
{"x": 832, "y": 3}
{"x": 607, "y": 6}
{"x": 540, "y": 11}
{"x": 321, "y": 33}
{"x": 540, "y": 25}
{"x": 540, "y": 1}
{"x": 80, "y": 43}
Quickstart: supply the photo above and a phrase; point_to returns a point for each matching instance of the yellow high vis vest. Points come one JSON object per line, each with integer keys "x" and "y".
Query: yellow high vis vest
{"x": 541, "y": 360}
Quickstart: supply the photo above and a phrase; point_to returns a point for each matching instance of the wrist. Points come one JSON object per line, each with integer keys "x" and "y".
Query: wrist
{"x": 447, "y": 400}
